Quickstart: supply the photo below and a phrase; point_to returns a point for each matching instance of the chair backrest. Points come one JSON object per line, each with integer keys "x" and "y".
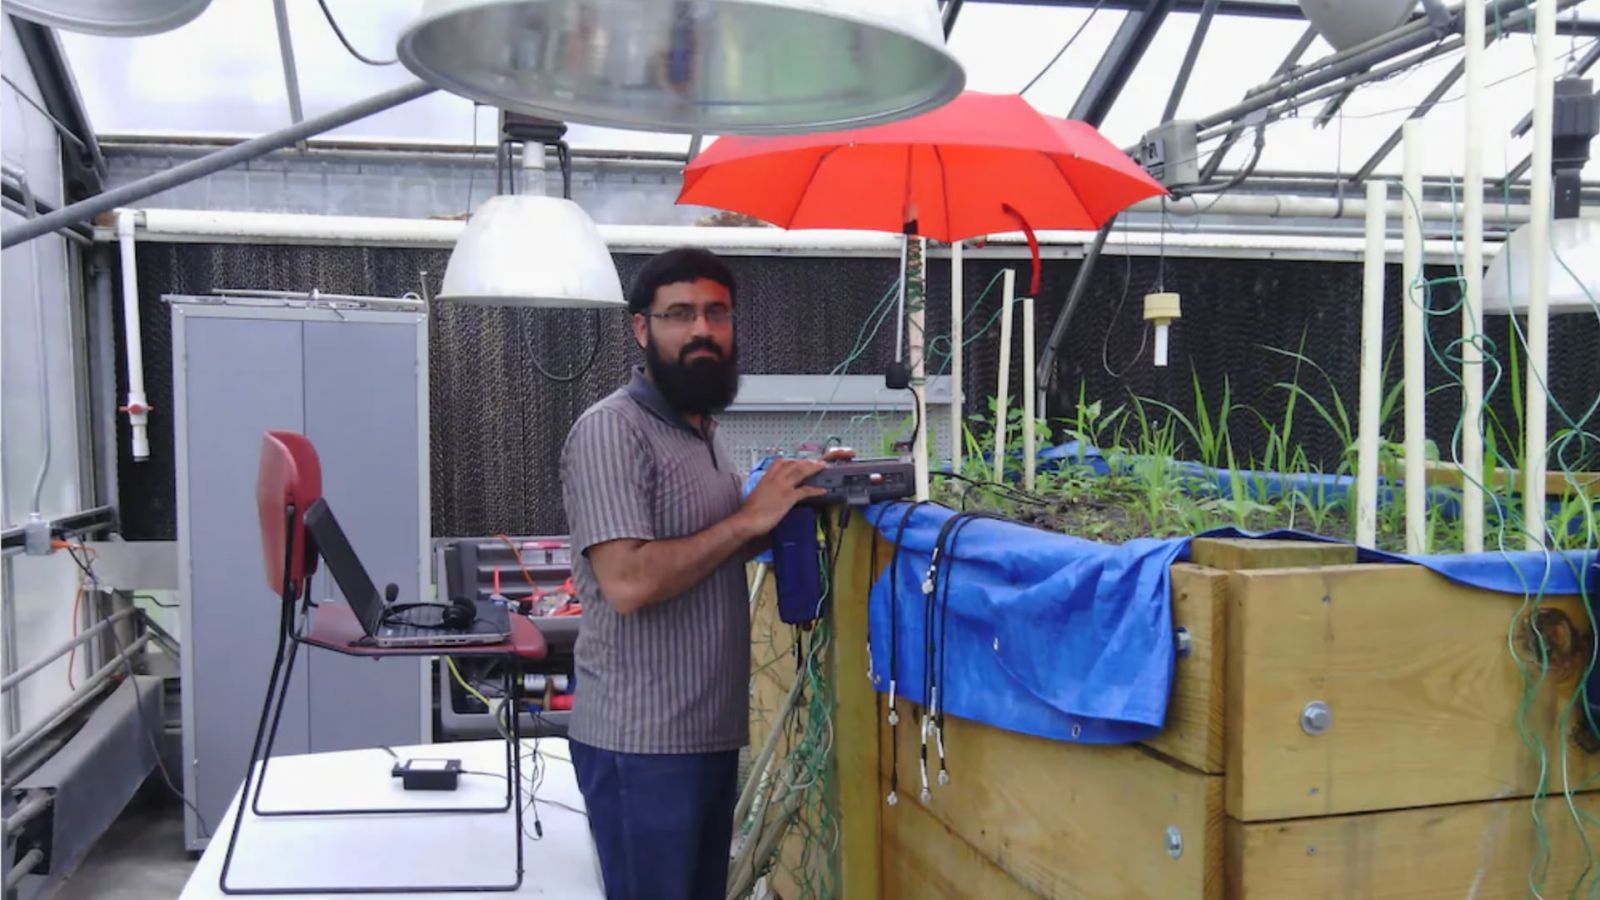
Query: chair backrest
{"x": 290, "y": 478}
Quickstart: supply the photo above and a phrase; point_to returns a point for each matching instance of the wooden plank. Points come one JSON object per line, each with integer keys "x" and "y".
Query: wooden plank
{"x": 1067, "y": 820}
{"x": 924, "y": 860}
{"x": 1556, "y": 484}
{"x": 855, "y": 719}
{"x": 1477, "y": 850}
{"x": 1423, "y": 689}
{"x": 1239, "y": 554}
{"x": 1193, "y": 734}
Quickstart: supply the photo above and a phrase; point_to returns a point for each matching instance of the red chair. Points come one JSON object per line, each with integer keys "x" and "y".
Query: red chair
{"x": 289, "y": 482}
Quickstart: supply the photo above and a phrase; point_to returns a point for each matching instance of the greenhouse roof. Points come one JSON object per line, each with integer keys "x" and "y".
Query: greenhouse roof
{"x": 222, "y": 75}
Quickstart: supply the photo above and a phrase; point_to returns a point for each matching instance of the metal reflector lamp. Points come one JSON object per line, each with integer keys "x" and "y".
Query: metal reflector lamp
{"x": 117, "y": 18}
{"x": 1574, "y": 270}
{"x": 1346, "y": 23}
{"x": 690, "y": 66}
{"x": 530, "y": 251}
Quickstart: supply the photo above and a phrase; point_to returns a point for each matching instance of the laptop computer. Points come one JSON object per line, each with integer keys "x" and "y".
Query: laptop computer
{"x": 400, "y": 625}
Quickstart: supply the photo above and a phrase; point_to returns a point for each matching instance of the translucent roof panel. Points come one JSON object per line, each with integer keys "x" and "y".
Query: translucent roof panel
{"x": 222, "y": 75}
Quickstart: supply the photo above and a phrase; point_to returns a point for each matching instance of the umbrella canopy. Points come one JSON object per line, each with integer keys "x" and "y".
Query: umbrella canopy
{"x": 981, "y": 164}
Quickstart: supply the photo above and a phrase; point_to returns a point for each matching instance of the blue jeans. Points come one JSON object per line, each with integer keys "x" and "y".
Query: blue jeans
{"x": 662, "y": 823}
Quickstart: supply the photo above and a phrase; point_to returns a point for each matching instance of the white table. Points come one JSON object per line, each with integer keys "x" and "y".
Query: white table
{"x": 406, "y": 850}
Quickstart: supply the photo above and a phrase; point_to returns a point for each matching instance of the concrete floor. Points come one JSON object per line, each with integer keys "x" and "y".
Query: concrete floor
{"x": 141, "y": 857}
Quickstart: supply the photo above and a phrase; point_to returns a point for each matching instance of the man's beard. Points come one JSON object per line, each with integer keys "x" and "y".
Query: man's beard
{"x": 695, "y": 387}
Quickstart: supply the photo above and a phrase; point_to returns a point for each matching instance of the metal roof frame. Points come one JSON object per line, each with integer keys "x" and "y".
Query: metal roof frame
{"x": 83, "y": 165}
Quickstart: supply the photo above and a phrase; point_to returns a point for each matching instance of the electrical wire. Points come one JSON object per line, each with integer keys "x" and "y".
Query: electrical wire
{"x": 150, "y": 725}
{"x": 339, "y": 32}
{"x": 575, "y": 374}
{"x": 1064, "y": 47}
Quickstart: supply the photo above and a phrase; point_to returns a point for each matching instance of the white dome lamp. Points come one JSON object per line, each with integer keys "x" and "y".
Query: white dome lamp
{"x": 115, "y": 18}
{"x": 1346, "y": 23}
{"x": 690, "y": 66}
{"x": 533, "y": 251}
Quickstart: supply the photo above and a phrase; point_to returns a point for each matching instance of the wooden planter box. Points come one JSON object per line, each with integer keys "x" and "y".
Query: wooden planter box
{"x": 1419, "y": 786}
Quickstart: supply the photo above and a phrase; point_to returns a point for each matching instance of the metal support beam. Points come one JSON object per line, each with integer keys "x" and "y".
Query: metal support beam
{"x": 1259, "y": 9}
{"x": 1045, "y": 374}
{"x": 291, "y": 77}
{"x": 135, "y": 191}
{"x": 1366, "y": 62}
{"x": 1184, "y": 71}
{"x": 85, "y": 168}
{"x": 1427, "y": 104}
{"x": 1290, "y": 60}
{"x": 951, "y": 11}
{"x": 1116, "y": 65}
{"x": 86, "y": 522}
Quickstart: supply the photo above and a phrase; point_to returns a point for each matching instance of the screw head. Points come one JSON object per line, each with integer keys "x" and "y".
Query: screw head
{"x": 1316, "y": 718}
{"x": 1174, "y": 842}
{"x": 1184, "y": 642}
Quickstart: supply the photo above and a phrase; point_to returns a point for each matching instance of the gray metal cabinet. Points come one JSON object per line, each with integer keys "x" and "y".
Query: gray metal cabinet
{"x": 353, "y": 380}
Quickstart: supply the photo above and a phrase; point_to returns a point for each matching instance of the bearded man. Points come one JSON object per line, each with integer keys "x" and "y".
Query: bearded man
{"x": 661, "y": 537}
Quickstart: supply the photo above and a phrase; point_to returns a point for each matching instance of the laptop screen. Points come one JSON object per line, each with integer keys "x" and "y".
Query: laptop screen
{"x": 335, "y": 549}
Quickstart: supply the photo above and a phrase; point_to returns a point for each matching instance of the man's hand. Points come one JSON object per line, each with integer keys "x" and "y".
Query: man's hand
{"x": 777, "y": 492}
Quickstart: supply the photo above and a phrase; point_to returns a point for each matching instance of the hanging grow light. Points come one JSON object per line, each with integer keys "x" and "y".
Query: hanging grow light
{"x": 690, "y": 66}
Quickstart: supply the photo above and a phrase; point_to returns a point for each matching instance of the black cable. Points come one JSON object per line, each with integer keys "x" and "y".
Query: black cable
{"x": 1064, "y": 47}
{"x": 149, "y": 729}
{"x": 944, "y": 567}
{"x": 894, "y": 646}
{"x": 1017, "y": 494}
{"x": 594, "y": 353}
{"x": 155, "y": 601}
{"x": 916, "y": 418}
{"x": 328, "y": 14}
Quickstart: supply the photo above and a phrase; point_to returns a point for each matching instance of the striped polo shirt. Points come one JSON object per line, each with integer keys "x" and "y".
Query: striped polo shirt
{"x": 672, "y": 677}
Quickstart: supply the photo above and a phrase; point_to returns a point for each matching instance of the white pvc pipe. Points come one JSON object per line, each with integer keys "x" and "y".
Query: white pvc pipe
{"x": 1371, "y": 398}
{"x": 300, "y": 229}
{"x": 1295, "y": 206}
{"x": 1537, "y": 405}
{"x": 138, "y": 406}
{"x": 957, "y": 427}
{"x": 1162, "y": 337}
{"x": 1009, "y": 284}
{"x": 1029, "y": 357}
{"x": 1472, "y": 305}
{"x": 916, "y": 343}
{"x": 1413, "y": 337}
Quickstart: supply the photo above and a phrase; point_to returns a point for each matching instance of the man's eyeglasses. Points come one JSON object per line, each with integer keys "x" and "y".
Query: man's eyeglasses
{"x": 686, "y": 315}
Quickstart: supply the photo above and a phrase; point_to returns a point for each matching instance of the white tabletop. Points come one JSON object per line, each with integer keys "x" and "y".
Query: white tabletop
{"x": 443, "y": 848}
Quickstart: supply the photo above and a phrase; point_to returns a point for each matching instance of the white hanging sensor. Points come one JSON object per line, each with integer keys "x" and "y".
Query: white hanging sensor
{"x": 531, "y": 250}
{"x": 690, "y": 66}
{"x": 114, "y": 18}
{"x": 1162, "y": 308}
{"x": 1574, "y": 248}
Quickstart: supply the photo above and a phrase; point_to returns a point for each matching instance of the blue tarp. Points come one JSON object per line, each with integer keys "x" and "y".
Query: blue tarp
{"x": 1070, "y": 639}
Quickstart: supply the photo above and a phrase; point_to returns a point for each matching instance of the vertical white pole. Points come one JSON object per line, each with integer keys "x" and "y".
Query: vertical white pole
{"x": 1472, "y": 308}
{"x": 1544, "y": 19}
{"x": 1028, "y": 410}
{"x": 957, "y": 428}
{"x": 1414, "y": 337}
{"x": 1009, "y": 284}
{"x": 916, "y": 342}
{"x": 1371, "y": 365}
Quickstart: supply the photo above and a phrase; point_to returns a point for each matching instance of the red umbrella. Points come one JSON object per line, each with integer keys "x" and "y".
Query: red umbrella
{"x": 980, "y": 164}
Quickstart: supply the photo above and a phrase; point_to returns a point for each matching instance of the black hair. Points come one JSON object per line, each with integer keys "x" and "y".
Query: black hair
{"x": 684, "y": 264}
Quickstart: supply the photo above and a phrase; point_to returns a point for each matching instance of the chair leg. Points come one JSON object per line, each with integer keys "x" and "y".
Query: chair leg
{"x": 273, "y": 692}
{"x": 272, "y": 732}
